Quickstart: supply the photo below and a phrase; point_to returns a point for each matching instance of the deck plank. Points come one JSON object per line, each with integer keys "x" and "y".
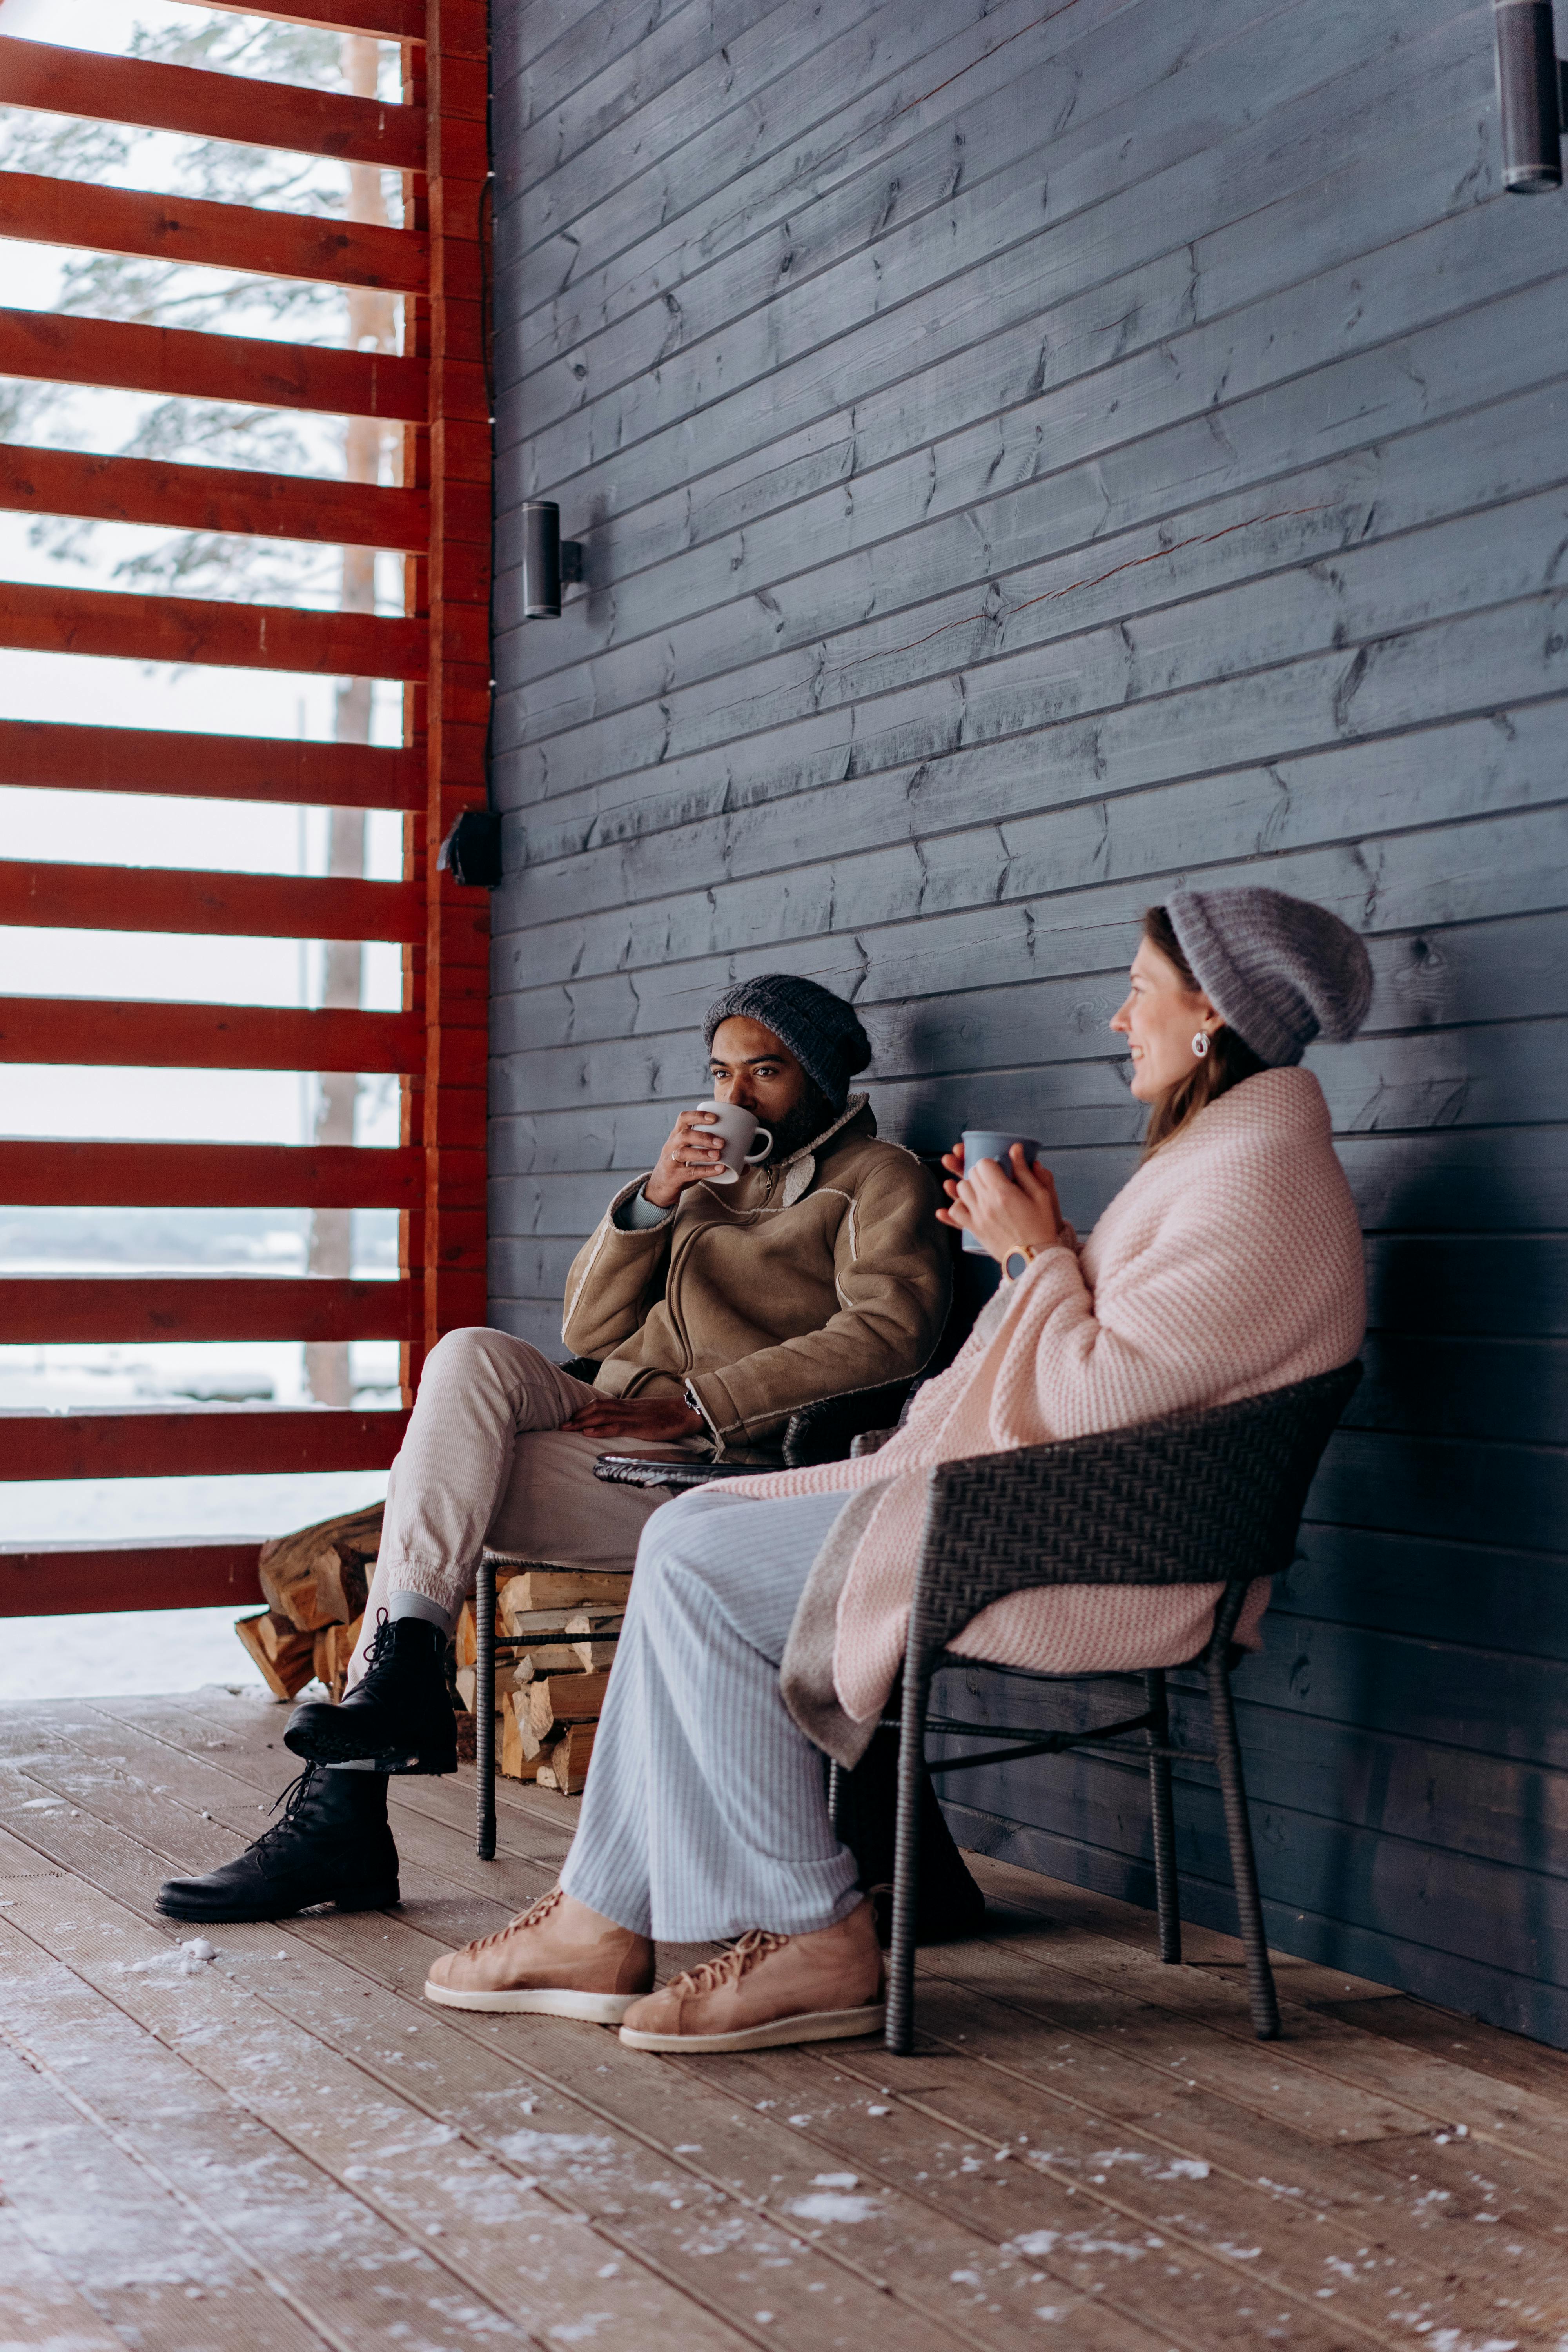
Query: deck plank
{"x": 42, "y": 2307}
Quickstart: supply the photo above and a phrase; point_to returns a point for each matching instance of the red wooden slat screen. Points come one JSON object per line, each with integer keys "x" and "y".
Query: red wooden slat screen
{"x": 190, "y": 230}
{"x": 53, "y": 620}
{"x": 263, "y": 905}
{"x": 115, "y": 1036}
{"x": 182, "y": 1575}
{"x": 36, "y": 1309}
{"x": 389, "y": 20}
{"x": 182, "y": 363}
{"x": 56, "y": 1171}
{"x": 210, "y": 105}
{"x": 209, "y": 498}
{"x": 199, "y": 1440}
{"x": 439, "y": 521}
{"x": 45, "y": 751}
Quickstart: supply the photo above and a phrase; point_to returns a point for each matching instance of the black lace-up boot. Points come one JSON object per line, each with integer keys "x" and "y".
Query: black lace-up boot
{"x": 331, "y": 1843}
{"x": 398, "y": 1717}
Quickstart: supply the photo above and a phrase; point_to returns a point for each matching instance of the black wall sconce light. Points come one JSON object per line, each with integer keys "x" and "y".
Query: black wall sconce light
{"x": 471, "y": 851}
{"x": 1533, "y": 86}
{"x": 549, "y": 561}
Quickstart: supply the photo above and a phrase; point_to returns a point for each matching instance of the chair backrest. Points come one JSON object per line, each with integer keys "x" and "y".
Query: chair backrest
{"x": 1202, "y": 1498}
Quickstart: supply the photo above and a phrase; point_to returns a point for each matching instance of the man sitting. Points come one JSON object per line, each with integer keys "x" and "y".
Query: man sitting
{"x": 710, "y": 1315}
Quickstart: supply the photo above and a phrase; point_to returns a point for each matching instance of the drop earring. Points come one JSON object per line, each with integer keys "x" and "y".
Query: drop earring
{"x": 1200, "y": 1042}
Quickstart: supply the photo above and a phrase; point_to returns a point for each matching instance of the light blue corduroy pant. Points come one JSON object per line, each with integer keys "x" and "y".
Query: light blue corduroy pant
{"x": 706, "y": 1810}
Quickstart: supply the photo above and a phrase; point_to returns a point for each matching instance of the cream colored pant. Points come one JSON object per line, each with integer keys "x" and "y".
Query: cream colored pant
{"x": 486, "y": 1463}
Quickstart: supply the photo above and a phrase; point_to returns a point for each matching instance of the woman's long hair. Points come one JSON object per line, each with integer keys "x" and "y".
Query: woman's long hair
{"x": 1226, "y": 1062}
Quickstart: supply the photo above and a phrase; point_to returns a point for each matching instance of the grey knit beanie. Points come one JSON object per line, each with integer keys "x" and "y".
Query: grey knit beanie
{"x": 821, "y": 1031}
{"x": 1278, "y": 971}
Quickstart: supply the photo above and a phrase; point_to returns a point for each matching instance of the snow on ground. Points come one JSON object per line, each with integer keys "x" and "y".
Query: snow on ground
{"x": 148, "y": 1652}
{"x": 159, "y": 1651}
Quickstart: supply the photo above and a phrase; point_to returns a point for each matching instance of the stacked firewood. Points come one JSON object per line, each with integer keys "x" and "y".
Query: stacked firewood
{"x": 556, "y": 1631}
{"x": 316, "y": 1582}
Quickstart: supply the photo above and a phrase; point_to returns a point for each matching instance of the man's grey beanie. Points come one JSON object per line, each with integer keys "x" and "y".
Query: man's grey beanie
{"x": 1279, "y": 970}
{"x": 821, "y": 1031}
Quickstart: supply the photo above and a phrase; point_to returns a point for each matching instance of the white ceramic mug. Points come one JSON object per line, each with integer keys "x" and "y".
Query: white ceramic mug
{"x": 745, "y": 1144}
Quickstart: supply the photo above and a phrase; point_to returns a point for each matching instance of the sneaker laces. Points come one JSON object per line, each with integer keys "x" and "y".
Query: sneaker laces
{"x": 533, "y": 1916}
{"x": 729, "y": 1967}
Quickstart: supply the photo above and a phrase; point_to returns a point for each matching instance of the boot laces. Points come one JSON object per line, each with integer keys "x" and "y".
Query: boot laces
{"x": 729, "y": 1967}
{"x": 533, "y": 1916}
{"x": 292, "y": 1800}
{"x": 380, "y": 1650}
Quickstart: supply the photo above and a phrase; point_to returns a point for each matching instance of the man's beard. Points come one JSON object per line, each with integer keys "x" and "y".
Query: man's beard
{"x": 802, "y": 1125}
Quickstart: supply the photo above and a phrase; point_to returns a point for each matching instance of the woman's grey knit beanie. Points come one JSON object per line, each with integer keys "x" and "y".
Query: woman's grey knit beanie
{"x": 821, "y": 1031}
{"x": 1278, "y": 971}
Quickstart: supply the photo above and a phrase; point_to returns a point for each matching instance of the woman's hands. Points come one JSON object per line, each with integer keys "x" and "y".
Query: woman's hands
{"x": 692, "y": 1150}
{"x": 1005, "y": 1208}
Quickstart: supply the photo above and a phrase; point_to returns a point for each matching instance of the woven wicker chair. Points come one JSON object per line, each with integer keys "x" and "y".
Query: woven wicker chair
{"x": 1197, "y": 1498}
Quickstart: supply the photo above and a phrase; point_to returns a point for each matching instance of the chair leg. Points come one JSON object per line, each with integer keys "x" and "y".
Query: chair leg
{"x": 484, "y": 1710}
{"x": 1167, "y": 1895}
{"x": 900, "y": 2020}
{"x": 1260, "y": 1991}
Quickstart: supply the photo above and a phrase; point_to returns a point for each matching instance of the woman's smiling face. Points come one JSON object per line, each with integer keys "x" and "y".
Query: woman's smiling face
{"x": 1159, "y": 1020}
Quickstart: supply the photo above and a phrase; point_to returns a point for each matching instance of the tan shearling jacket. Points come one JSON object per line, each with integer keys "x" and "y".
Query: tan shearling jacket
{"x": 826, "y": 1274}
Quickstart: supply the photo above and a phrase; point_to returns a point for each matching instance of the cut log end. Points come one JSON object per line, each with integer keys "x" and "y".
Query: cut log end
{"x": 319, "y": 1576}
{"x": 282, "y": 1654}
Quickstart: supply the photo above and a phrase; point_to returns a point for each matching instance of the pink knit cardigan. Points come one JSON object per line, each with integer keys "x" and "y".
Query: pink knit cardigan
{"x": 1230, "y": 1264}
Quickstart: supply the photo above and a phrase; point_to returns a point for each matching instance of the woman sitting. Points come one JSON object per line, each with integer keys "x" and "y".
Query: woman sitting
{"x": 1231, "y": 1263}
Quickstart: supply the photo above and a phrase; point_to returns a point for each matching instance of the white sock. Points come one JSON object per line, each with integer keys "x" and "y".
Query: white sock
{"x": 420, "y": 1605}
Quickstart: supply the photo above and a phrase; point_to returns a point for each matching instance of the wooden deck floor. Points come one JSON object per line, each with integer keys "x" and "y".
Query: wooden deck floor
{"x": 284, "y": 2146}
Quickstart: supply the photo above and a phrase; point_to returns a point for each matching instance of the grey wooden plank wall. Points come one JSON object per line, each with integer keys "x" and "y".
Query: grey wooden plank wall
{"x": 1029, "y": 453}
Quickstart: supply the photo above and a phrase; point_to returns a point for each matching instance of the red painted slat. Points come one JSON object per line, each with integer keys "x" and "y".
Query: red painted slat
{"x": 51, "y": 1171}
{"x": 187, "y": 365}
{"x": 52, "y": 753}
{"x": 82, "y": 1309}
{"x": 210, "y": 105}
{"x": 254, "y": 905}
{"x": 214, "y": 1441}
{"x": 55, "y": 620}
{"x": 389, "y": 20}
{"x": 188, "y": 229}
{"x": 111, "y": 1033}
{"x": 209, "y": 498}
{"x": 68, "y": 1581}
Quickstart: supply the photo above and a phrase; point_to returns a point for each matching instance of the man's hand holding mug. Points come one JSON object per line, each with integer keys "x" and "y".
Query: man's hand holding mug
{"x": 708, "y": 1145}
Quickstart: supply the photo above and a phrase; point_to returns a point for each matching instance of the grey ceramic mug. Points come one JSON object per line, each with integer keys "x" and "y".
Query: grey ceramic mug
{"x": 992, "y": 1143}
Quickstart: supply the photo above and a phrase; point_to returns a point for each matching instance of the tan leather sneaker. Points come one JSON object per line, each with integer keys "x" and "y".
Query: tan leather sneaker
{"x": 768, "y": 1990}
{"x": 557, "y": 1958}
